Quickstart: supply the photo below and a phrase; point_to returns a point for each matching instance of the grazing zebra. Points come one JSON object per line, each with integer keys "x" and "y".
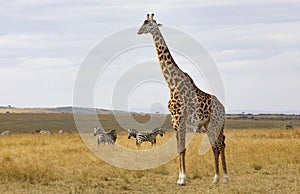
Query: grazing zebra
{"x": 103, "y": 137}
{"x": 97, "y": 131}
{"x": 289, "y": 126}
{"x": 145, "y": 136}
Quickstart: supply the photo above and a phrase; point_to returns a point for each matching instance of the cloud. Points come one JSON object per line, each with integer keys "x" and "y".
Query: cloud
{"x": 254, "y": 43}
{"x": 26, "y": 41}
{"x": 263, "y": 83}
{"x": 38, "y": 82}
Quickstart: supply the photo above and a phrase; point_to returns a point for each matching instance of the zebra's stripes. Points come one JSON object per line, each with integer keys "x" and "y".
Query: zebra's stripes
{"x": 103, "y": 137}
{"x": 145, "y": 136}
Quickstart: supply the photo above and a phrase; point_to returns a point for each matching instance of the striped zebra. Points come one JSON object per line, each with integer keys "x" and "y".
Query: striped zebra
{"x": 145, "y": 136}
{"x": 103, "y": 137}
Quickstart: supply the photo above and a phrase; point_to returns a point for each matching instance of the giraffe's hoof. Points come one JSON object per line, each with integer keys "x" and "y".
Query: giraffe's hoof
{"x": 181, "y": 180}
{"x": 225, "y": 178}
{"x": 216, "y": 179}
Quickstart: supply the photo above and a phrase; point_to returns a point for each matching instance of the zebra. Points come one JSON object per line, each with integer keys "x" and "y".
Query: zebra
{"x": 103, "y": 137}
{"x": 97, "y": 131}
{"x": 145, "y": 136}
{"x": 289, "y": 126}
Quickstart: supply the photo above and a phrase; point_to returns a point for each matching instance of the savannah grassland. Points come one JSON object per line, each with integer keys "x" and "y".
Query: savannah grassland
{"x": 261, "y": 159}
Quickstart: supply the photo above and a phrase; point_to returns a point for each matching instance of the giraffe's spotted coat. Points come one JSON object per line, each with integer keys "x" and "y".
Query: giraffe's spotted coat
{"x": 188, "y": 105}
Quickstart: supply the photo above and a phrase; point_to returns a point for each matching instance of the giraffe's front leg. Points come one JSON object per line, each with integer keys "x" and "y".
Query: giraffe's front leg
{"x": 182, "y": 176}
{"x": 180, "y": 134}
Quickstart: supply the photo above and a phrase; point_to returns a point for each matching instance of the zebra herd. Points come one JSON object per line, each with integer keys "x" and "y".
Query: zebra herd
{"x": 111, "y": 136}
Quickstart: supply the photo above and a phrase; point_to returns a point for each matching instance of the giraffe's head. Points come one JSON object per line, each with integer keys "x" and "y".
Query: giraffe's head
{"x": 149, "y": 25}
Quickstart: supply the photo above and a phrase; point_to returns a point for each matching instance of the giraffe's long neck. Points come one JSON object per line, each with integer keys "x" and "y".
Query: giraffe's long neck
{"x": 168, "y": 66}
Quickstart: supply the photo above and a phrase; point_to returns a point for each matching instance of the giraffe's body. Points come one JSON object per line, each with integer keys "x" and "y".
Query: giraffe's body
{"x": 190, "y": 107}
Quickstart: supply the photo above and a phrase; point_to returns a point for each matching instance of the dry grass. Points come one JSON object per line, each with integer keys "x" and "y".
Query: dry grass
{"x": 259, "y": 161}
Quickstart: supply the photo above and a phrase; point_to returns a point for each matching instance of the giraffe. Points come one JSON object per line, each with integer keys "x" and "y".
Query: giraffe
{"x": 189, "y": 107}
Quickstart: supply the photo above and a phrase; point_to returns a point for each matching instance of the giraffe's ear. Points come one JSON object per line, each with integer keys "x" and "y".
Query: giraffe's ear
{"x": 159, "y": 25}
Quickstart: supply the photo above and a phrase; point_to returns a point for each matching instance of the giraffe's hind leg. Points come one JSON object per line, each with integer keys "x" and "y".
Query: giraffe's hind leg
{"x": 216, "y": 157}
{"x": 222, "y": 153}
{"x": 212, "y": 135}
{"x": 216, "y": 137}
{"x": 218, "y": 147}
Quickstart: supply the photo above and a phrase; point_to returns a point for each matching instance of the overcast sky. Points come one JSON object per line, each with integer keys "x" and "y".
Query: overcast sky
{"x": 255, "y": 45}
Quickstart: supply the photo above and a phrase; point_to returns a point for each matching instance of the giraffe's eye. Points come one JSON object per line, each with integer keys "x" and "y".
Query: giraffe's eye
{"x": 146, "y": 22}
